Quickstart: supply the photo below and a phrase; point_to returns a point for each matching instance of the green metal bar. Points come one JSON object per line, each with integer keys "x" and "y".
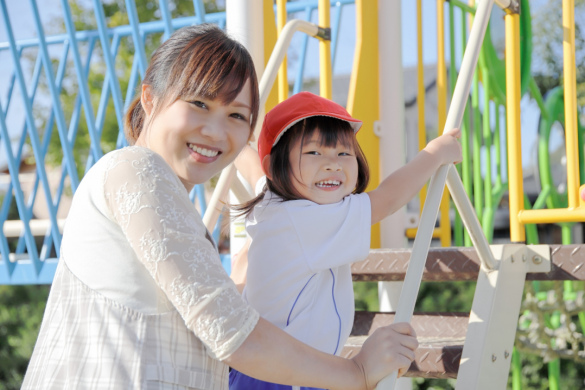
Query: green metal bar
{"x": 536, "y": 95}
{"x": 466, "y": 164}
{"x": 458, "y": 225}
{"x": 498, "y": 148}
{"x": 463, "y": 6}
{"x": 531, "y": 231}
{"x": 477, "y": 182}
{"x": 516, "y": 370}
{"x": 489, "y": 212}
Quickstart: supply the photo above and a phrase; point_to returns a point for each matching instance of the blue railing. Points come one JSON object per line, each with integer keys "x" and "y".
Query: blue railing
{"x": 29, "y": 253}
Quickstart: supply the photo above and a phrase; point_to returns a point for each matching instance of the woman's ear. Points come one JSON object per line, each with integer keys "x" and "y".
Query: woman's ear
{"x": 266, "y": 166}
{"x": 147, "y": 99}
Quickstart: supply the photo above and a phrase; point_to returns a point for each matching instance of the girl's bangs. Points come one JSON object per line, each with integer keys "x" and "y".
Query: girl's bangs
{"x": 330, "y": 131}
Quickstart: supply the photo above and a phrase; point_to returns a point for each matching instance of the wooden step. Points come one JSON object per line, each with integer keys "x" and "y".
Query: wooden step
{"x": 440, "y": 336}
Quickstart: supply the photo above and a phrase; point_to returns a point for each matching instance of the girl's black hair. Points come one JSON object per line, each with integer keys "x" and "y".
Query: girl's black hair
{"x": 330, "y": 131}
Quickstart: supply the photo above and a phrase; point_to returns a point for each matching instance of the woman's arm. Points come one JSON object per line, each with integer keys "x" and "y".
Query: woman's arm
{"x": 270, "y": 354}
{"x": 403, "y": 184}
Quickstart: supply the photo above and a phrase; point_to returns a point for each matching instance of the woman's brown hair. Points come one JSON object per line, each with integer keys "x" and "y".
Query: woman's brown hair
{"x": 196, "y": 61}
{"x": 331, "y": 131}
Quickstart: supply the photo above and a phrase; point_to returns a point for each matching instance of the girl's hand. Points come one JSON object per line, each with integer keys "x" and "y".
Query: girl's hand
{"x": 388, "y": 349}
{"x": 446, "y": 148}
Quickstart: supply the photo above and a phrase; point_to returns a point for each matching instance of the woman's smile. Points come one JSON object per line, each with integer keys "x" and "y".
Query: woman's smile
{"x": 203, "y": 153}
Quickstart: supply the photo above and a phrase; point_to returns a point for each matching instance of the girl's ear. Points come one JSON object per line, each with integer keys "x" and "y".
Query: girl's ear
{"x": 266, "y": 166}
{"x": 147, "y": 99}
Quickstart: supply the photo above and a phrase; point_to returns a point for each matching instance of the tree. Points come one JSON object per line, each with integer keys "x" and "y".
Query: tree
{"x": 547, "y": 52}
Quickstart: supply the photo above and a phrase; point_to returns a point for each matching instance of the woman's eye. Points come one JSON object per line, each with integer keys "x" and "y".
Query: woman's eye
{"x": 199, "y": 104}
{"x": 239, "y": 116}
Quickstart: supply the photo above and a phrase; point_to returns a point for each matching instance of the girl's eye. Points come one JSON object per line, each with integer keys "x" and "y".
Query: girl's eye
{"x": 344, "y": 154}
{"x": 312, "y": 152}
{"x": 199, "y": 104}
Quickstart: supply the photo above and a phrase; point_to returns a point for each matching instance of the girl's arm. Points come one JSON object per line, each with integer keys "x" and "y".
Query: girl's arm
{"x": 248, "y": 164}
{"x": 270, "y": 354}
{"x": 240, "y": 267}
{"x": 403, "y": 184}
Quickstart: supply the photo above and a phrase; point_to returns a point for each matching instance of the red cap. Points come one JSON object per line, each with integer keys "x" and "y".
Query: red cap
{"x": 294, "y": 109}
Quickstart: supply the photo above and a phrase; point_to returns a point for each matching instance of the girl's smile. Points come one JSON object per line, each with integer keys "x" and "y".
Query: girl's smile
{"x": 323, "y": 174}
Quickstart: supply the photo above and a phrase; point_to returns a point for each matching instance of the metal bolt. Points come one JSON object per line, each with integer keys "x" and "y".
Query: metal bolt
{"x": 494, "y": 358}
{"x": 537, "y": 259}
{"x": 506, "y": 354}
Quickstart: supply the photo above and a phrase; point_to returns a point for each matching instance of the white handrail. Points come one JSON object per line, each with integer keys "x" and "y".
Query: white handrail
{"x": 229, "y": 173}
{"x": 424, "y": 234}
{"x": 38, "y": 227}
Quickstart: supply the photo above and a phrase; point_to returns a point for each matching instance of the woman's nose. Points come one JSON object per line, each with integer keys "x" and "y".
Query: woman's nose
{"x": 214, "y": 129}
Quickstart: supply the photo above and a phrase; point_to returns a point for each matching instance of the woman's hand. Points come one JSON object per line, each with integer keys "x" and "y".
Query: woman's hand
{"x": 446, "y": 148}
{"x": 388, "y": 349}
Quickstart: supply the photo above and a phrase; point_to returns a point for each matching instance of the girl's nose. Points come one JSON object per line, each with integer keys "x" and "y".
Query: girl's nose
{"x": 333, "y": 165}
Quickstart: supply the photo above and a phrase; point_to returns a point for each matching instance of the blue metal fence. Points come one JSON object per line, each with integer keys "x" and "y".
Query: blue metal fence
{"x": 30, "y": 255}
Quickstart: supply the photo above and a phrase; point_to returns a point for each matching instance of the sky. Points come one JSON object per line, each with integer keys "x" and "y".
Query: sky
{"x": 23, "y": 26}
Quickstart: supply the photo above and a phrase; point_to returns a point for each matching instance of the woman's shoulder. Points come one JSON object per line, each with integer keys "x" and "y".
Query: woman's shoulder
{"x": 136, "y": 158}
{"x": 136, "y": 163}
{"x": 131, "y": 153}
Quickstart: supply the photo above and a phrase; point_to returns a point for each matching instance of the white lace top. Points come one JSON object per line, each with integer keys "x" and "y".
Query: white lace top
{"x": 140, "y": 296}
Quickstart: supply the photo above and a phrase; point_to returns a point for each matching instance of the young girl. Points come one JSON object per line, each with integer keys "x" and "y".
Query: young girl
{"x": 312, "y": 219}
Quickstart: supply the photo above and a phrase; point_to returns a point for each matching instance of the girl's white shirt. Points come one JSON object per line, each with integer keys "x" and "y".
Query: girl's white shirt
{"x": 140, "y": 299}
{"x": 299, "y": 265}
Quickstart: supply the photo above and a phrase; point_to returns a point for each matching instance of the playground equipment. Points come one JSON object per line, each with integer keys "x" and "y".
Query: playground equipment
{"x": 501, "y": 270}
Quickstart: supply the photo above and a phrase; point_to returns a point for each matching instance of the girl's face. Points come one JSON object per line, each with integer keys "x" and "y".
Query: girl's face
{"x": 323, "y": 174}
{"x": 199, "y": 137}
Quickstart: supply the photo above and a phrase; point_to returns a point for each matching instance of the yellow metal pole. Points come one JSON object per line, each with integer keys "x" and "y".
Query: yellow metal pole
{"x": 570, "y": 84}
{"x": 270, "y": 35}
{"x": 516, "y": 190}
{"x": 576, "y": 214}
{"x": 325, "y": 82}
{"x": 445, "y": 226}
{"x": 441, "y": 67}
{"x": 282, "y": 76}
{"x": 420, "y": 97}
{"x": 363, "y": 97}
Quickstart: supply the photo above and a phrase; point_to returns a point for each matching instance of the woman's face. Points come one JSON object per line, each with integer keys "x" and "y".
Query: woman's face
{"x": 199, "y": 137}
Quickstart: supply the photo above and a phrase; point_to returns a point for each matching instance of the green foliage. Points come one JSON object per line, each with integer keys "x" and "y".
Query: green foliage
{"x": 547, "y": 41}
{"x": 21, "y": 311}
{"x": 366, "y": 296}
{"x": 445, "y": 296}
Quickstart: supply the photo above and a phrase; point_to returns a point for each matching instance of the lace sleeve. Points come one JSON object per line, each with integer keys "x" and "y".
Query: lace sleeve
{"x": 167, "y": 234}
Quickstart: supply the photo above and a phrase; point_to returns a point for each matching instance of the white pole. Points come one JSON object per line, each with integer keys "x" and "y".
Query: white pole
{"x": 392, "y": 139}
{"x": 245, "y": 22}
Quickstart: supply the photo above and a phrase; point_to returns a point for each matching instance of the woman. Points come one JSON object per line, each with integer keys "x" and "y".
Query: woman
{"x": 140, "y": 299}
